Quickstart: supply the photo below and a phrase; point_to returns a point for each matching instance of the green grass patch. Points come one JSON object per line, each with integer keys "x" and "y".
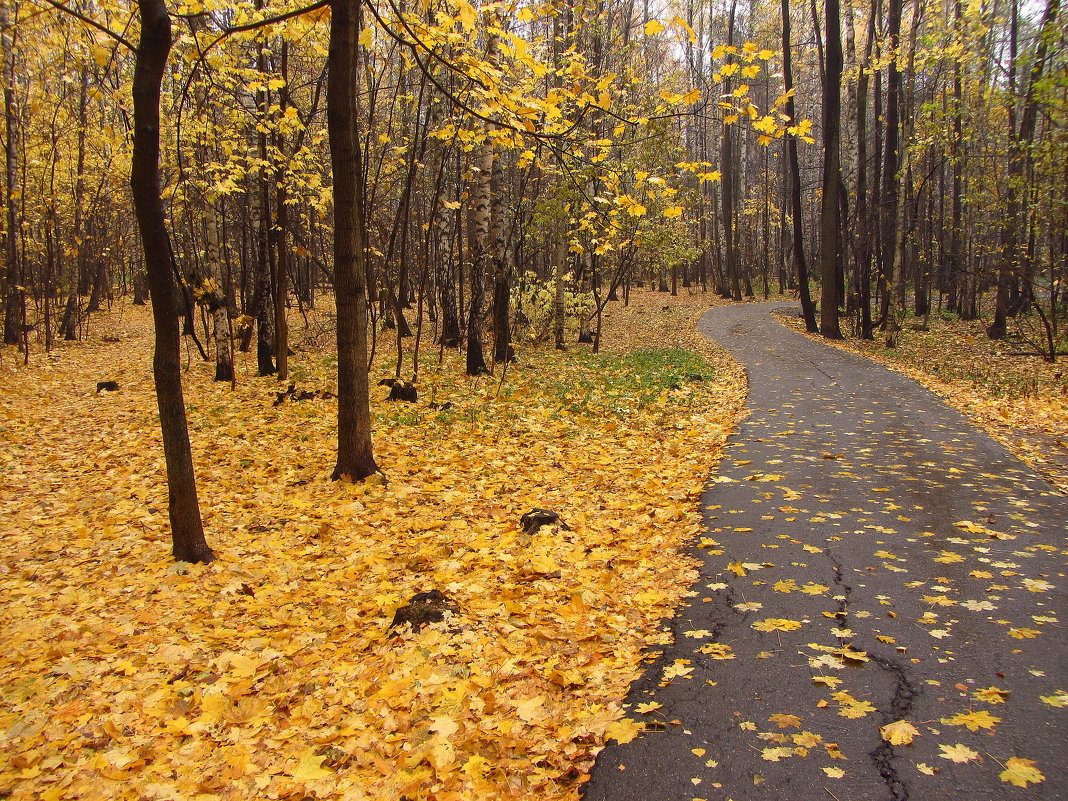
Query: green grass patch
{"x": 620, "y": 385}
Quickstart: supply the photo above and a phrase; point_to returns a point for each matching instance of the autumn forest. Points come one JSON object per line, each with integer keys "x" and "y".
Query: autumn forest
{"x": 304, "y": 304}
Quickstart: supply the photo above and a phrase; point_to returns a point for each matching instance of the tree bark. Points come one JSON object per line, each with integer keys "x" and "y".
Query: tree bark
{"x": 829, "y": 218}
{"x": 355, "y": 457}
{"x": 807, "y": 309}
{"x": 10, "y": 276}
{"x": 187, "y": 529}
{"x": 891, "y": 161}
{"x": 1013, "y": 258}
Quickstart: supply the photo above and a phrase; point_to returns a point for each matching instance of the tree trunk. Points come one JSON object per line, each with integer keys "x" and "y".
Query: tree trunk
{"x": 729, "y": 181}
{"x": 795, "y": 178}
{"x": 187, "y": 529}
{"x": 10, "y": 275}
{"x": 891, "y": 160}
{"x": 829, "y": 218}
{"x": 355, "y": 457}
{"x": 559, "y": 270}
{"x": 1013, "y": 260}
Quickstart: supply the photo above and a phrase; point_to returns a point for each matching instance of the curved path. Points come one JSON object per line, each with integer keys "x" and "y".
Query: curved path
{"x": 875, "y": 558}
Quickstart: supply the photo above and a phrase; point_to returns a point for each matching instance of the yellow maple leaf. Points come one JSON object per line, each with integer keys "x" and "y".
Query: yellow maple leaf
{"x": 623, "y": 731}
{"x": 653, "y": 27}
{"x": 1024, "y": 633}
{"x": 444, "y": 725}
{"x": 531, "y": 710}
{"x": 1058, "y": 699}
{"x": 973, "y": 720}
{"x": 834, "y": 773}
{"x": 680, "y": 667}
{"x": 992, "y": 695}
{"x": 717, "y": 650}
{"x": 1037, "y": 585}
{"x": 900, "y": 732}
{"x": 466, "y": 14}
{"x": 857, "y": 709}
{"x": 777, "y": 624}
{"x": 948, "y": 557}
{"x": 645, "y": 709}
{"x": 784, "y": 721}
{"x": 958, "y": 753}
{"x": 829, "y": 681}
{"x": 1021, "y": 772}
{"x": 774, "y": 754}
{"x": 310, "y": 767}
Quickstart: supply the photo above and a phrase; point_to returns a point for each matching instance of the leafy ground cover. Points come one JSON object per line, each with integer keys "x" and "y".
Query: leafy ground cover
{"x": 272, "y": 672}
{"x": 1021, "y": 401}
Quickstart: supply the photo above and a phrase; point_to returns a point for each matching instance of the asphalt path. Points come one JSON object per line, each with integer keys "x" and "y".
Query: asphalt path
{"x": 869, "y": 557}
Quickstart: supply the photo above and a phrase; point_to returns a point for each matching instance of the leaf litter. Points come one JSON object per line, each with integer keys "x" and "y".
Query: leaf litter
{"x": 272, "y": 672}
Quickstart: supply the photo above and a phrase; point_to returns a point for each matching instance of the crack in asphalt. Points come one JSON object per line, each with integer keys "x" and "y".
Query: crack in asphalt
{"x": 843, "y": 597}
{"x": 905, "y": 693}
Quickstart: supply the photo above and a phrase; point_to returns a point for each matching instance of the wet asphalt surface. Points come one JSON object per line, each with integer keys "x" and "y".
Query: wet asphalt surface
{"x": 869, "y": 557}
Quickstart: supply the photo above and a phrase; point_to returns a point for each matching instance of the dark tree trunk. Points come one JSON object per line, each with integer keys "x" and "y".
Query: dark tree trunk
{"x": 829, "y": 218}
{"x": 807, "y": 308}
{"x": 187, "y": 529}
{"x": 355, "y": 457}
{"x": 1014, "y": 262}
{"x": 891, "y": 166}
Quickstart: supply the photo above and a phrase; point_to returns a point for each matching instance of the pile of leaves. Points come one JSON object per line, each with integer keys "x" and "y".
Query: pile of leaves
{"x": 1021, "y": 400}
{"x": 273, "y": 672}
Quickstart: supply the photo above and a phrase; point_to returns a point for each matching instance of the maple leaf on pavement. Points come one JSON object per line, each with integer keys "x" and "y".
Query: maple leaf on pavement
{"x": 899, "y": 732}
{"x": 958, "y": 753}
{"x": 784, "y": 721}
{"x": 992, "y": 695}
{"x": 1020, "y": 771}
{"x": 973, "y": 720}
{"x": 777, "y": 624}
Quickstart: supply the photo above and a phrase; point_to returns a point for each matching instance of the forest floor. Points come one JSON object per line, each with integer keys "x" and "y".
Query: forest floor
{"x": 273, "y": 672}
{"x": 1021, "y": 401}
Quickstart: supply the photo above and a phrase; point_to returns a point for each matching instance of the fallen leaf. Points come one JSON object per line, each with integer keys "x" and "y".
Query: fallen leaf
{"x": 899, "y": 732}
{"x": 774, "y": 754}
{"x": 310, "y": 767}
{"x": 777, "y": 624}
{"x": 958, "y": 753}
{"x": 1058, "y": 699}
{"x": 1021, "y": 772}
{"x": 973, "y": 720}
{"x": 992, "y": 695}
{"x": 783, "y": 720}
